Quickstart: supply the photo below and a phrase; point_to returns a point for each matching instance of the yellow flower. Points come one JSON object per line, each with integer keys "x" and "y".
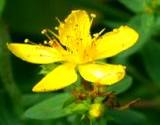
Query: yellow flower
{"x": 78, "y": 51}
{"x": 96, "y": 110}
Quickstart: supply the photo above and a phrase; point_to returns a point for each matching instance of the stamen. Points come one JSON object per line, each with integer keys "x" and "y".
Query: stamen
{"x": 96, "y": 35}
{"x": 44, "y": 32}
{"x": 51, "y": 43}
{"x": 51, "y": 32}
{"x": 45, "y": 42}
{"x": 54, "y": 43}
{"x": 28, "y": 41}
{"x": 102, "y": 31}
{"x": 56, "y": 28}
{"x": 92, "y": 17}
{"x": 58, "y": 20}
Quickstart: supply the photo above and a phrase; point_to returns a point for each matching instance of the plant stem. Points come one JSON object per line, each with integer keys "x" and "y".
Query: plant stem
{"x": 6, "y": 71}
{"x": 90, "y": 122}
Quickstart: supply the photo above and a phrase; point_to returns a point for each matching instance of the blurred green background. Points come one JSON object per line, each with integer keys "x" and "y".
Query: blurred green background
{"x": 25, "y": 19}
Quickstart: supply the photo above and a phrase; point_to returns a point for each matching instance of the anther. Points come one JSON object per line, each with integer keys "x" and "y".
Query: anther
{"x": 56, "y": 28}
{"x": 51, "y": 42}
{"x": 27, "y": 41}
{"x": 45, "y": 42}
{"x": 93, "y": 15}
{"x": 95, "y": 35}
{"x": 45, "y": 32}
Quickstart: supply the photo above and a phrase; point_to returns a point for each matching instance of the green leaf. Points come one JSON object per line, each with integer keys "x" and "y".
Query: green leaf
{"x": 157, "y": 23}
{"x": 100, "y": 121}
{"x": 135, "y": 5}
{"x": 78, "y": 107}
{"x": 126, "y": 117}
{"x": 7, "y": 116}
{"x": 121, "y": 86}
{"x": 31, "y": 99}
{"x": 143, "y": 24}
{"x": 2, "y": 3}
{"x": 151, "y": 57}
{"x": 51, "y": 108}
{"x": 45, "y": 69}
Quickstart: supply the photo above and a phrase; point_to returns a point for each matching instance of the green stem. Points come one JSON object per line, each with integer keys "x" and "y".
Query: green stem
{"x": 91, "y": 122}
{"x": 6, "y": 71}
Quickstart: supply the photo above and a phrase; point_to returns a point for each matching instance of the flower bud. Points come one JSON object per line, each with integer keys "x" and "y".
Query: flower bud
{"x": 96, "y": 110}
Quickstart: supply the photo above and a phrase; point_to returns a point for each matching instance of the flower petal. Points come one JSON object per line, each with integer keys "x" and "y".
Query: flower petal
{"x": 104, "y": 74}
{"x": 38, "y": 54}
{"x": 64, "y": 75}
{"x": 74, "y": 33}
{"x": 116, "y": 41}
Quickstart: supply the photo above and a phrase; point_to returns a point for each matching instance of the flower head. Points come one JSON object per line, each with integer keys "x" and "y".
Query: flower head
{"x": 77, "y": 50}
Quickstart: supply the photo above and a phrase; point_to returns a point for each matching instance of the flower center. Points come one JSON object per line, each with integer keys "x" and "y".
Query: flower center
{"x": 81, "y": 57}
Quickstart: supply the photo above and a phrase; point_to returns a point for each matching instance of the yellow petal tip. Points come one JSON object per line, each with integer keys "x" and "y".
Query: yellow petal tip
{"x": 133, "y": 34}
{"x": 116, "y": 41}
{"x": 38, "y": 88}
